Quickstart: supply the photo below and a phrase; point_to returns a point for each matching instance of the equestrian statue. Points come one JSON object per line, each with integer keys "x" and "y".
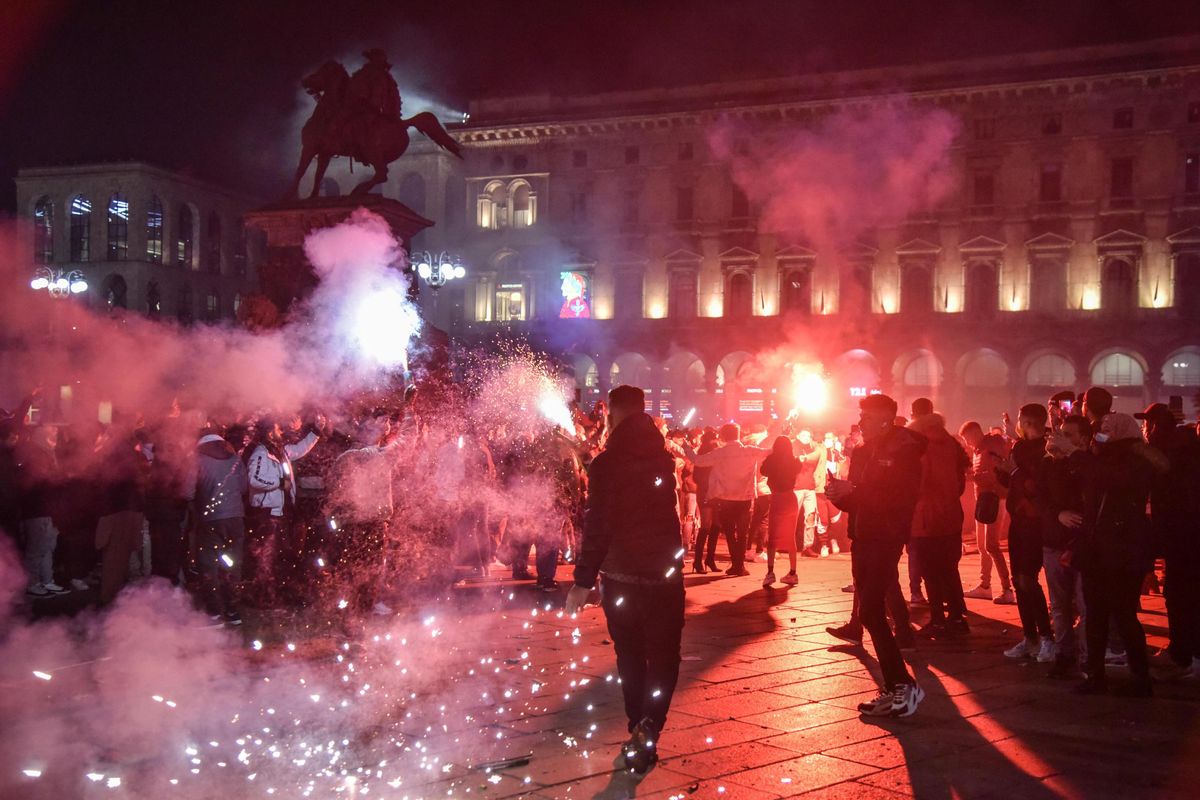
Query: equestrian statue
{"x": 358, "y": 116}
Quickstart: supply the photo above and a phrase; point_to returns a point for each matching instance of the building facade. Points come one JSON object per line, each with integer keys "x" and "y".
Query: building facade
{"x": 607, "y": 229}
{"x": 145, "y": 239}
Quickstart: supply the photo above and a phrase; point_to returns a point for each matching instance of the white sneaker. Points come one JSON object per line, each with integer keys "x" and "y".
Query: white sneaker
{"x": 791, "y": 579}
{"x": 54, "y": 588}
{"x": 36, "y": 590}
{"x": 1022, "y": 649}
{"x": 980, "y": 592}
{"x": 769, "y": 581}
{"x": 835, "y": 547}
{"x": 382, "y": 609}
{"x": 762, "y": 556}
{"x": 905, "y": 699}
{"x": 79, "y": 585}
{"x": 824, "y": 551}
{"x": 1046, "y": 650}
{"x": 1006, "y": 598}
{"x": 880, "y": 706}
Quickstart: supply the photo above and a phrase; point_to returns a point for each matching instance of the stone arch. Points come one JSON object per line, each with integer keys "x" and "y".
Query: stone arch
{"x": 1182, "y": 368}
{"x": 983, "y": 367}
{"x": 630, "y": 368}
{"x": 1049, "y": 369}
{"x": 918, "y": 368}
{"x": 1118, "y": 367}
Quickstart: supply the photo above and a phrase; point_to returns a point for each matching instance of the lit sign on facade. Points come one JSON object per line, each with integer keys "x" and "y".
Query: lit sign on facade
{"x": 577, "y": 296}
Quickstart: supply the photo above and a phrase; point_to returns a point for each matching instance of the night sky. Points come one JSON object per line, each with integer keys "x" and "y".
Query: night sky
{"x": 211, "y": 87}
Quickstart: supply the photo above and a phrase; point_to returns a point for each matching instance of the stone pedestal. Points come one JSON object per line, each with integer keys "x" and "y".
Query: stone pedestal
{"x": 284, "y": 273}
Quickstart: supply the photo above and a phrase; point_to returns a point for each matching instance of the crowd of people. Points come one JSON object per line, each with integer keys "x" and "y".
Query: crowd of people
{"x": 268, "y": 510}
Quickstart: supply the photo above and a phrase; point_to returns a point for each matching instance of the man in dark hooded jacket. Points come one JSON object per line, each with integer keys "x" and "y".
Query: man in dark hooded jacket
{"x": 631, "y": 532}
{"x": 881, "y": 498}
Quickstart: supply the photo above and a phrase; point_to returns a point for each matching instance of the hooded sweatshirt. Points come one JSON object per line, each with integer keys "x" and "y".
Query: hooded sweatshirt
{"x": 886, "y": 474}
{"x": 631, "y": 530}
{"x": 220, "y": 484}
{"x": 944, "y": 468}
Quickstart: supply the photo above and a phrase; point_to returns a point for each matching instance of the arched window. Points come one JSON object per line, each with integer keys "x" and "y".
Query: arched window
{"x": 81, "y": 227}
{"x": 985, "y": 369}
{"x": 630, "y": 368}
{"x": 916, "y": 289}
{"x": 740, "y": 301}
{"x": 115, "y": 292}
{"x": 154, "y": 231}
{"x": 213, "y": 244}
{"x": 982, "y": 290}
{"x": 185, "y": 237}
{"x": 118, "y": 227}
{"x": 1118, "y": 369}
{"x": 1118, "y": 286}
{"x": 153, "y": 300}
{"x": 492, "y": 207}
{"x": 1050, "y": 369}
{"x": 412, "y": 192}
{"x": 923, "y": 370}
{"x": 795, "y": 291}
{"x": 1183, "y": 368}
{"x": 43, "y": 231}
{"x": 524, "y": 204}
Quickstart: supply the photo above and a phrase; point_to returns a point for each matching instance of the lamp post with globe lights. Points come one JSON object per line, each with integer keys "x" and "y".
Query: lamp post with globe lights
{"x": 437, "y": 270}
{"x": 58, "y": 283}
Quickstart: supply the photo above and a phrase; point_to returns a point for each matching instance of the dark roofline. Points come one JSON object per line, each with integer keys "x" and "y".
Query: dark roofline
{"x": 1096, "y": 60}
{"x": 100, "y": 167}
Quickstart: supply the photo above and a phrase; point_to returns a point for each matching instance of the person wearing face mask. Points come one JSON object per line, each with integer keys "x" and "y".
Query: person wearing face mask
{"x": 809, "y": 483}
{"x": 1113, "y": 546}
{"x": 881, "y": 497}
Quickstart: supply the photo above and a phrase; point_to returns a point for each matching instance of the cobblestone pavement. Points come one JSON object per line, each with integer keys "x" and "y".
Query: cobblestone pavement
{"x": 766, "y": 708}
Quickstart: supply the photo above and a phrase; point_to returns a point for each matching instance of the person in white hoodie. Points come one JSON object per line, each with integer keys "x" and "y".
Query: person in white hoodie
{"x": 272, "y": 557}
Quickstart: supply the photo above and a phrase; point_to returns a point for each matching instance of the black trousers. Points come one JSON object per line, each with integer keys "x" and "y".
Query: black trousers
{"x": 874, "y": 565}
{"x": 1182, "y": 593}
{"x": 733, "y": 517}
{"x": 1025, "y": 560}
{"x": 166, "y": 545}
{"x": 645, "y": 622}
{"x": 1113, "y": 593}
{"x": 939, "y": 556}
{"x": 758, "y": 522}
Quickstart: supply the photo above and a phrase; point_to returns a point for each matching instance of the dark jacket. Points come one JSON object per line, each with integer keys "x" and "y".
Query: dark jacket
{"x": 37, "y": 468}
{"x": 1175, "y": 495}
{"x": 123, "y": 476}
{"x": 1022, "y": 501}
{"x": 944, "y": 466}
{"x": 220, "y": 486}
{"x": 886, "y": 473}
{"x": 1116, "y": 531}
{"x": 1060, "y": 487}
{"x": 630, "y": 526}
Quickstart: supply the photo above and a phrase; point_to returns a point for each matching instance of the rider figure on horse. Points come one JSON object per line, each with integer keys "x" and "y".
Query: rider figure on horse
{"x": 374, "y": 85}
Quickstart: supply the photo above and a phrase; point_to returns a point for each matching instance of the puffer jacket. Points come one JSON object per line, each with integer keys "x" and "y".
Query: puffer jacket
{"x": 272, "y": 481}
{"x": 630, "y": 528}
{"x": 886, "y": 474}
{"x": 1117, "y": 532}
{"x": 220, "y": 483}
{"x": 944, "y": 466}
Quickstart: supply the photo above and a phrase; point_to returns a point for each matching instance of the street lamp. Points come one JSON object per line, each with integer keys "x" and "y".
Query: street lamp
{"x": 437, "y": 270}
{"x": 58, "y": 283}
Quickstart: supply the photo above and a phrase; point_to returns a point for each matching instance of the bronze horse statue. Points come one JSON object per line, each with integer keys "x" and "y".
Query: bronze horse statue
{"x": 344, "y": 125}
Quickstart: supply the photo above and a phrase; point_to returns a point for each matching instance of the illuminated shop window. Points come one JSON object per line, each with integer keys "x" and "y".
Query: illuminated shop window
{"x": 576, "y": 291}
{"x": 510, "y": 303}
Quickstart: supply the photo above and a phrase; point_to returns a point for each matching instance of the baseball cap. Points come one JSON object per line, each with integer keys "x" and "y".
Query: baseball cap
{"x": 1157, "y": 412}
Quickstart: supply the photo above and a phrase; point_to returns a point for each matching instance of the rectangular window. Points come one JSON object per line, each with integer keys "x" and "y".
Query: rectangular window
{"x": 1191, "y": 173}
{"x": 985, "y": 128}
{"x": 1050, "y": 183}
{"x": 576, "y": 288}
{"x": 983, "y": 190}
{"x": 154, "y": 234}
{"x": 686, "y": 151}
{"x": 579, "y": 158}
{"x": 1052, "y": 124}
{"x": 1121, "y": 179}
{"x": 681, "y": 294}
{"x": 632, "y": 155}
{"x": 684, "y": 204}
{"x": 1123, "y": 118}
{"x": 628, "y": 299}
{"x": 510, "y": 303}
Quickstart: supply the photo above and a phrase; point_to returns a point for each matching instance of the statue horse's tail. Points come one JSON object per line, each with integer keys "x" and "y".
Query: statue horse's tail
{"x": 428, "y": 124}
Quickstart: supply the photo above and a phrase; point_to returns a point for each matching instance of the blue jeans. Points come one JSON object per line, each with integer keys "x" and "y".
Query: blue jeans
{"x": 1066, "y": 603}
